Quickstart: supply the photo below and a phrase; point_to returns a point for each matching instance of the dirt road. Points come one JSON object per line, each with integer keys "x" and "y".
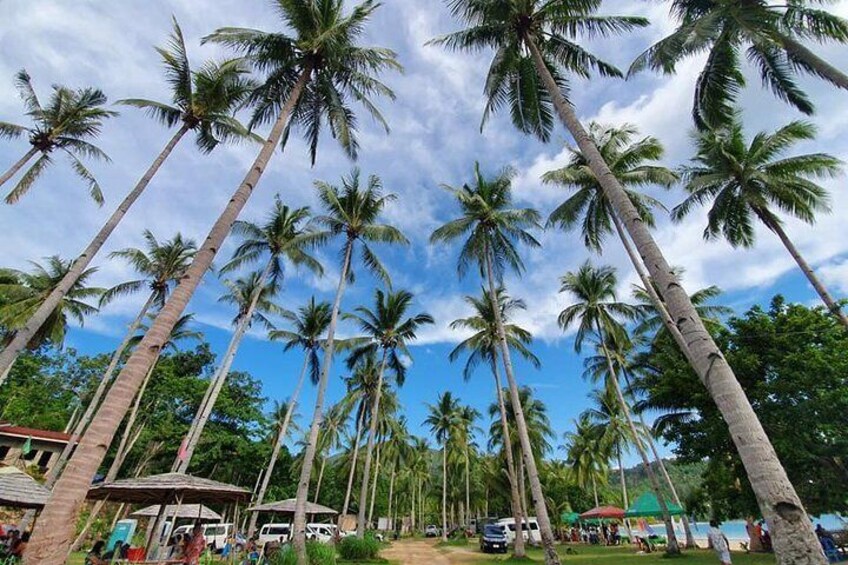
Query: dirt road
{"x": 416, "y": 552}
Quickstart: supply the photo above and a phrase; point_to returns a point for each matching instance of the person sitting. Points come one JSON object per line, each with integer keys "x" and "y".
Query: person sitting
{"x": 824, "y": 534}
{"x": 95, "y": 555}
{"x": 765, "y": 538}
{"x": 195, "y": 547}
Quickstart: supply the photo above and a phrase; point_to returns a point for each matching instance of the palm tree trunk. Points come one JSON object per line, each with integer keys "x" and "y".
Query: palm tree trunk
{"x": 525, "y": 508}
{"x": 278, "y": 444}
{"x": 320, "y": 478}
{"x": 808, "y": 272}
{"x": 595, "y": 491}
{"x": 672, "y": 548}
{"x": 51, "y": 537}
{"x": 17, "y": 166}
{"x": 372, "y": 433}
{"x": 374, "y": 488}
{"x": 795, "y": 541}
{"x": 551, "y": 557}
{"x": 445, "y": 491}
{"x": 81, "y": 426}
{"x": 391, "y": 495}
{"x": 204, "y": 411}
{"x": 299, "y": 525}
{"x": 25, "y": 333}
{"x": 517, "y": 512}
{"x": 412, "y": 504}
{"x": 821, "y": 67}
{"x": 624, "y": 498}
{"x": 353, "y": 462}
{"x": 467, "y": 516}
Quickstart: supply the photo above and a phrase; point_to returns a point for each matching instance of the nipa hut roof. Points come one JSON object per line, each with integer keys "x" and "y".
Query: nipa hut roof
{"x": 19, "y": 490}
{"x": 169, "y": 488}
{"x": 287, "y": 507}
{"x": 191, "y": 511}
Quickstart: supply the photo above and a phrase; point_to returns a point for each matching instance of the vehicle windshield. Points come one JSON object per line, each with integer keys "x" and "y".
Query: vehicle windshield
{"x": 492, "y": 530}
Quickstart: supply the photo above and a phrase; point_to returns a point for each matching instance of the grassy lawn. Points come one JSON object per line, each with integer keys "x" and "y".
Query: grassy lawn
{"x": 586, "y": 555}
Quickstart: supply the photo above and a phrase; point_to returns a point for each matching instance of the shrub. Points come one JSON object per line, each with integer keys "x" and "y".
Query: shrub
{"x": 319, "y": 554}
{"x": 353, "y": 548}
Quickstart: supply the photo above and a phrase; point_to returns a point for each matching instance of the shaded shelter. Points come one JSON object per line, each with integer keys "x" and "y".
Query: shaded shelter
{"x": 189, "y": 511}
{"x": 19, "y": 490}
{"x": 647, "y": 506}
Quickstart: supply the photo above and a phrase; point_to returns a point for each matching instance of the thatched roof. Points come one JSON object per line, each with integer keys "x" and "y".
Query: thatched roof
{"x": 287, "y": 507}
{"x": 19, "y": 490}
{"x": 169, "y": 488}
{"x": 191, "y": 511}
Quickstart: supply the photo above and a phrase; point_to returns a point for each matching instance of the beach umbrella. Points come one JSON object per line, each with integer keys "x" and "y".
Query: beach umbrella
{"x": 601, "y": 512}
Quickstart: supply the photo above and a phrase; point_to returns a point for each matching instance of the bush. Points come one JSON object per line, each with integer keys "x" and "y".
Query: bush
{"x": 319, "y": 554}
{"x": 352, "y": 548}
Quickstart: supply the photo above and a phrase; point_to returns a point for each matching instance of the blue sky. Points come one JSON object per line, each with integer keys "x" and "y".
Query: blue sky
{"x": 435, "y": 139}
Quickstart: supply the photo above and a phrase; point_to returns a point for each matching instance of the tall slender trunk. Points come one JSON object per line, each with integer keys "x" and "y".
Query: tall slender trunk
{"x": 52, "y": 534}
{"x": 24, "y": 334}
{"x": 445, "y": 491}
{"x": 828, "y": 300}
{"x": 624, "y": 498}
{"x": 94, "y": 403}
{"x": 17, "y": 167}
{"x": 672, "y": 548}
{"x": 551, "y": 557}
{"x": 123, "y": 447}
{"x": 467, "y": 516}
{"x": 525, "y": 508}
{"x": 354, "y": 461}
{"x": 517, "y": 511}
{"x": 374, "y": 488}
{"x": 369, "y": 448}
{"x": 299, "y": 525}
{"x": 204, "y": 412}
{"x": 412, "y": 504}
{"x": 320, "y": 479}
{"x": 391, "y": 495}
{"x": 681, "y": 343}
{"x": 821, "y": 67}
{"x": 595, "y": 491}
{"x": 278, "y": 444}
{"x": 795, "y": 541}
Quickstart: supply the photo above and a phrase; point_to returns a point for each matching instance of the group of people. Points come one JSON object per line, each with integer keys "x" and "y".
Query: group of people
{"x": 13, "y": 543}
{"x": 182, "y": 549}
{"x": 760, "y": 539}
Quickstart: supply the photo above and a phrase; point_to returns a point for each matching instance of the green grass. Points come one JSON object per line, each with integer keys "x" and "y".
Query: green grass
{"x": 454, "y": 542}
{"x": 587, "y": 555}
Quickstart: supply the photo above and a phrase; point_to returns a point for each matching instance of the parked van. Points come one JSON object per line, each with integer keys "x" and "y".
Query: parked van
{"x": 216, "y": 534}
{"x": 530, "y": 530}
{"x": 324, "y": 533}
{"x": 274, "y": 532}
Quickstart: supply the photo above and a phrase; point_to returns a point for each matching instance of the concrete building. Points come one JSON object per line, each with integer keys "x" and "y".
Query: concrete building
{"x": 45, "y": 446}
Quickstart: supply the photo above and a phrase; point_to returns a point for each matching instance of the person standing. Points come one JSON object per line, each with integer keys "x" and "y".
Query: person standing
{"x": 718, "y": 542}
{"x": 194, "y": 549}
{"x": 755, "y": 535}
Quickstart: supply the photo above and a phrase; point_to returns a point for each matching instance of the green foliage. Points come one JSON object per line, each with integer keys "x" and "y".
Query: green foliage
{"x": 792, "y": 362}
{"x": 352, "y": 548}
{"x": 319, "y": 554}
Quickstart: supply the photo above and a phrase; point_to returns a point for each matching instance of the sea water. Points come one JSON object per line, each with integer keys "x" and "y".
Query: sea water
{"x": 735, "y": 529}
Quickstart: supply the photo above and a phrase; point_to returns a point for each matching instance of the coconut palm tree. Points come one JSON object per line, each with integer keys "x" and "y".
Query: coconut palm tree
{"x": 634, "y": 165}
{"x": 493, "y": 228}
{"x": 482, "y": 347}
{"x": 253, "y": 298}
{"x": 443, "y": 420}
{"x": 748, "y": 181}
{"x": 396, "y": 453}
{"x": 773, "y": 36}
{"x": 333, "y": 429}
{"x": 309, "y": 326}
{"x": 597, "y": 313}
{"x": 132, "y": 433}
{"x": 587, "y": 455}
{"x": 353, "y": 212}
{"x": 651, "y": 322}
{"x": 70, "y": 119}
{"x": 467, "y": 416}
{"x": 547, "y": 34}
{"x": 307, "y": 79}
{"x": 203, "y": 102}
{"x": 160, "y": 265}
{"x": 25, "y": 292}
{"x": 387, "y": 330}
{"x": 361, "y": 391}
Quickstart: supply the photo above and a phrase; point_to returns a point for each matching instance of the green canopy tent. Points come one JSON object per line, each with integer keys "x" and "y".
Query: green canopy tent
{"x": 569, "y": 517}
{"x": 647, "y": 506}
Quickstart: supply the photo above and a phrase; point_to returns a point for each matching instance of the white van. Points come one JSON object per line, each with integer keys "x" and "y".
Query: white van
{"x": 325, "y": 533}
{"x": 530, "y": 530}
{"x": 274, "y": 532}
{"x": 216, "y": 534}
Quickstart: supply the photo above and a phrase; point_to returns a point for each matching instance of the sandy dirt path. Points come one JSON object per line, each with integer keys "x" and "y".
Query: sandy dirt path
{"x": 415, "y": 552}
